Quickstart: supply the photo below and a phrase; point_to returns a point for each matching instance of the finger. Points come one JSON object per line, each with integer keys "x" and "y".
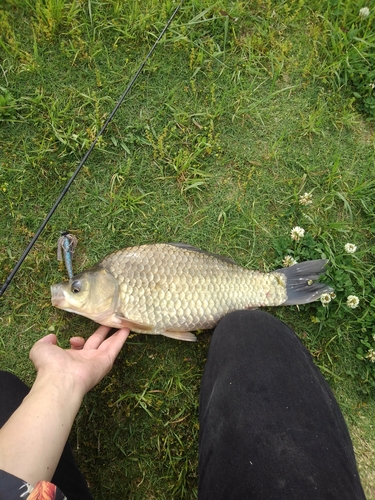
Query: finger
{"x": 115, "y": 342}
{"x": 77, "y": 343}
{"x": 48, "y": 339}
{"x": 94, "y": 341}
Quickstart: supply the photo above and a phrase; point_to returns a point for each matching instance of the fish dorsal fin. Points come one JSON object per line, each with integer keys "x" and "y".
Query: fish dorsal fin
{"x": 186, "y": 246}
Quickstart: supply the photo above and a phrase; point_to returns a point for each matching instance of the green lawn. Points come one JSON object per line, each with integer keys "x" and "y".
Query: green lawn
{"x": 243, "y": 108}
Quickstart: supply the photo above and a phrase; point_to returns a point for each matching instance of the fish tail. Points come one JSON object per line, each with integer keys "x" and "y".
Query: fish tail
{"x": 300, "y": 286}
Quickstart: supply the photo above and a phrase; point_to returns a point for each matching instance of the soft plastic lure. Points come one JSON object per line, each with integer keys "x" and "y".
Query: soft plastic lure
{"x": 66, "y": 245}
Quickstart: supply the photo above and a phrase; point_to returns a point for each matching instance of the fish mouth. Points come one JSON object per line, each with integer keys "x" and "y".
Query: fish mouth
{"x": 57, "y": 296}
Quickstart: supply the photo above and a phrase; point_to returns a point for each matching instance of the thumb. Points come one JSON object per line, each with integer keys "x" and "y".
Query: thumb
{"x": 48, "y": 339}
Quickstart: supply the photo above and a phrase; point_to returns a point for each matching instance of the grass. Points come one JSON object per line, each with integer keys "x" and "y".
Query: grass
{"x": 241, "y": 110}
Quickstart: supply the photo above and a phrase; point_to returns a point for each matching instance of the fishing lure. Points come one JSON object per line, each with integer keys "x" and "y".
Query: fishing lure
{"x": 66, "y": 245}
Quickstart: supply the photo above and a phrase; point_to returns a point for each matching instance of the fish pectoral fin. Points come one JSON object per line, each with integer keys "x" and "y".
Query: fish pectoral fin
{"x": 188, "y": 336}
{"x": 132, "y": 325}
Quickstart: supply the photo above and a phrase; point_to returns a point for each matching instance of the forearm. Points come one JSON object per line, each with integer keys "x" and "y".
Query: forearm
{"x": 32, "y": 440}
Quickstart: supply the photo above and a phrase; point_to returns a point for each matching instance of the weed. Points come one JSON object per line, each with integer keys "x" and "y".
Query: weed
{"x": 8, "y": 105}
{"x": 52, "y": 15}
{"x": 350, "y": 50}
{"x": 350, "y": 272}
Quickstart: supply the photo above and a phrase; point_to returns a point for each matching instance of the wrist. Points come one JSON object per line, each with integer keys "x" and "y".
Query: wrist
{"x": 65, "y": 388}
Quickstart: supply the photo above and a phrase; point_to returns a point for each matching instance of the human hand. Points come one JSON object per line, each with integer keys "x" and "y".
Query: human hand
{"x": 33, "y": 438}
{"x": 84, "y": 364}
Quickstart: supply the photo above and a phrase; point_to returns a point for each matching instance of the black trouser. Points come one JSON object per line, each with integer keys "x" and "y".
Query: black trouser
{"x": 270, "y": 427}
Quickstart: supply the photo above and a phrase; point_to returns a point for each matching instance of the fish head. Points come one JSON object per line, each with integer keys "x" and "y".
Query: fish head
{"x": 92, "y": 293}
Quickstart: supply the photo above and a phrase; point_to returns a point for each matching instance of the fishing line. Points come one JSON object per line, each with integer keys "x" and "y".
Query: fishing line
{"x": 69, "y": 183}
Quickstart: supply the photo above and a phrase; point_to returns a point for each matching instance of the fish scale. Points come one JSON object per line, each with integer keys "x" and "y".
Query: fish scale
{"x": 173, "y": 289}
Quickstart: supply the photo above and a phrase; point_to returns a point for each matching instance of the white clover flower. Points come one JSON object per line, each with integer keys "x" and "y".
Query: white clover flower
{"x": 372, "y": 85}
{"x": 350, "y": 248}
{"x": 352, "y": 301}
{"x": 325, "y": 299}
{"x": 364, "y": 12}
{"x": 289, "y": 261}
{"x": 371, "y": 355}
{"x": 297, "y": 233}
{"x": 305, "y": 199}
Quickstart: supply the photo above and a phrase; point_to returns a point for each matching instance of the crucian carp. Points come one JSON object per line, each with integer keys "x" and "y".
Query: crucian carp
{"x": 173, "y": 289}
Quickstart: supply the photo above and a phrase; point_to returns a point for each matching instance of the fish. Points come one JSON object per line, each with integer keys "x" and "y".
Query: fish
{"x": 173, "y": 289}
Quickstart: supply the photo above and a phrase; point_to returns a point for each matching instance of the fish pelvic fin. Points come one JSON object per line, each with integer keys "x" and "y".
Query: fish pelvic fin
{"x": 124, "y": 322}
{"x": 187, "y": 336}
{"x": 300, "y": 286}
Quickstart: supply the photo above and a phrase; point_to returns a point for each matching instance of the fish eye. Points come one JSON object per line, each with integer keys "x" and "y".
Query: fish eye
{"x": 76, "y": 286}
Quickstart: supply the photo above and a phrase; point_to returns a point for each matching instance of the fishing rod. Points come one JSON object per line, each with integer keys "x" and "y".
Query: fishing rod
{"x": 82, "y": 162}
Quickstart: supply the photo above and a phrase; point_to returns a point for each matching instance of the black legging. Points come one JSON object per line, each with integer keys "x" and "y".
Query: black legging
{"x": 67, "y": 476}
{"x": 270, "y": 428}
